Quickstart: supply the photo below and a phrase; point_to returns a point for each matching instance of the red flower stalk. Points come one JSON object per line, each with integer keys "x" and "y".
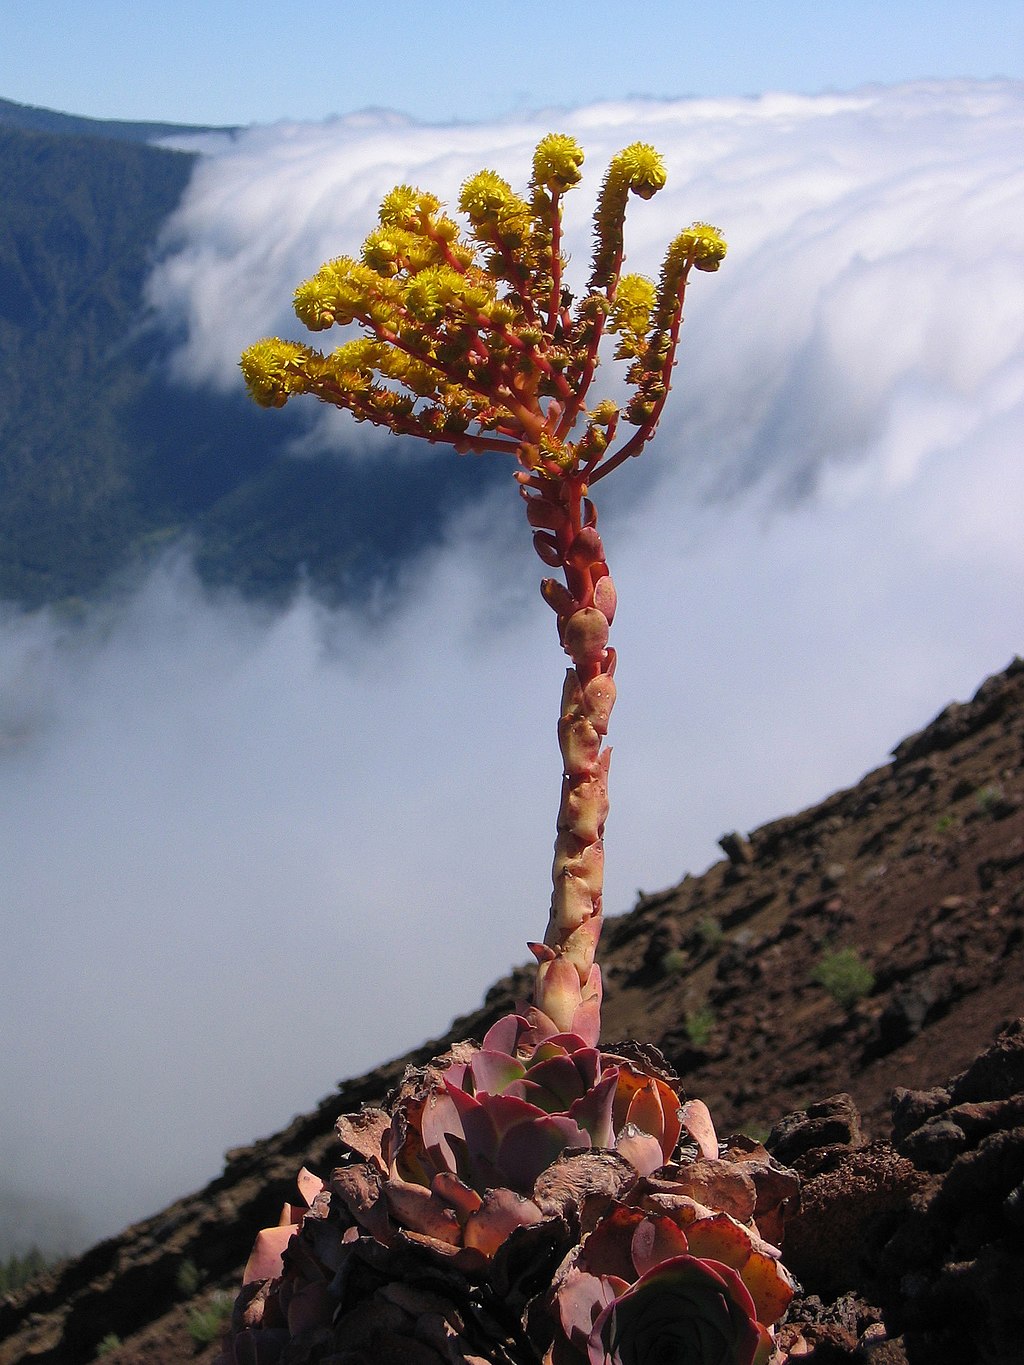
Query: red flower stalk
{"x": 475, "y": 341}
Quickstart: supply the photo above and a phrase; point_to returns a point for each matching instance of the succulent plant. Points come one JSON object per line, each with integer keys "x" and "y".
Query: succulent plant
{"x": 693, "y": 1285}
{"x": 473, "y": 339}
{"x": 581, "y": 1264}
{"x": 527, "y": 1198}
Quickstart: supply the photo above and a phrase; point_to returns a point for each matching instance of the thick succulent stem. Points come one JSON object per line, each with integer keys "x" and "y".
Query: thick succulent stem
{"x": 568, "y": 987}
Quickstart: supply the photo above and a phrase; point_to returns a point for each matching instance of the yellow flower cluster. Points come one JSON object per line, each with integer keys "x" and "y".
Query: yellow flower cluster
{"x": 471, "y": 337}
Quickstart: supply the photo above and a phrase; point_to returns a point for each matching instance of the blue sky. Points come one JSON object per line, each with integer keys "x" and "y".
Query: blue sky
{"x": 234, "y": 62}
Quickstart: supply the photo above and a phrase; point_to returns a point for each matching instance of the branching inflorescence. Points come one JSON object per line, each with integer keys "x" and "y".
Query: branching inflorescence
{"x": 475, "y": 340}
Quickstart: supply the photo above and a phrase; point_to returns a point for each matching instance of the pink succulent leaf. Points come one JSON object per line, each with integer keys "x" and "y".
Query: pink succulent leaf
{"x": 581, "y": 1298}
{"x": 541, "y": 1025}
{"x": 585, "y": 636}
{"x": 456, "y": 1193}
{"x": 475, "y": 1123}
{"x": 557, "y": 1045}
{"x": 594, "y": 1110}
{"x": 656, "y": 1239}
{"x": 558, "y": 988}
{"x": 561, "y": 1079}
{"x": 646, "y": 1111}
{"x": 420, "y": 1210}
{"x": 264, "y": 1261}
{"x": 493, "y": 1072}
{"x": 586, "y": 548}
{"x": 528, "y": 1091}
{"x": 598, "y": 700}
{"x": 770, "y": 1285}
{"x": 528, "y": 1149}
{"x": 605, "y": 597}
{"x": 641, "y": 1150}
{"x": 558, "y": 596}
{"x": 309, "y": 1185}
{"x": 586, "y": 1019}
{"x": 501, "y": 1212}
{"x": 650, "y": 1104}
{"x": 502, "y": 1112}
{"x": 609, "y": 1248}
{"x": 696, "y": 1120}
{"x": 722, "y": 1239}
{"x": 439, "y": 1122}
{"x": 685, "y": 1309}
{"x": 588, "y": 1063}
{"x": 506, "y": 1034}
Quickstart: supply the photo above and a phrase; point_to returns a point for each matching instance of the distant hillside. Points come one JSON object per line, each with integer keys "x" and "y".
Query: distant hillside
{"x": 101, "y": 460}
{"x": 31, "y": 119}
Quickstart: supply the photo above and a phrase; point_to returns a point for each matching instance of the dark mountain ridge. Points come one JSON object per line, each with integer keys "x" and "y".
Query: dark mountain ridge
{"x": 33, "y": 119}
{"x": 917, "y": 874}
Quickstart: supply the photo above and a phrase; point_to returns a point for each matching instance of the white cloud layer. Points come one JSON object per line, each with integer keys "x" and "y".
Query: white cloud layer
{"x": 247, "y": 854}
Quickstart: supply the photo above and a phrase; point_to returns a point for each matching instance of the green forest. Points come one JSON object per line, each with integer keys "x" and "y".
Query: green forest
{"x": 103, "y": 463}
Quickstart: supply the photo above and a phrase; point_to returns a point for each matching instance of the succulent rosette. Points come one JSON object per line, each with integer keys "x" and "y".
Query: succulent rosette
{"x": 701, "y": 1289}
{"x": 685, "y": 1309}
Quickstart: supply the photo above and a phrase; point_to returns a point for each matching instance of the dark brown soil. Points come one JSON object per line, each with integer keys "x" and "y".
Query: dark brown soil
{"x": 919, "y": 871}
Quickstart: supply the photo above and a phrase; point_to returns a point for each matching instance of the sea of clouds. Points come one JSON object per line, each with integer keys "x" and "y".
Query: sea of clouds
{"x": 247, "y": 853}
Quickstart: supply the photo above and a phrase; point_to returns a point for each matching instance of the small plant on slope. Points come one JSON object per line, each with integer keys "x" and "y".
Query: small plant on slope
{"x": 526, "y": 1198}
{"x": 845, "y": 975}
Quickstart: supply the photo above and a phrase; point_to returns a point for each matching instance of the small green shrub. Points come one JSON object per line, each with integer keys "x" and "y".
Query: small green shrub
{"x": 988, "y": 799}
{"x": 700, "y": 1024}
{"x": 945, "y": 823}
{"x": 845, "y": 975}
{"x": 210, "y": 1322}
{"x": 111, "y": 1342}
{"x": 710, "y": 932}
{"x": 188, "y": 1279}
{"x": 675, "y": 960}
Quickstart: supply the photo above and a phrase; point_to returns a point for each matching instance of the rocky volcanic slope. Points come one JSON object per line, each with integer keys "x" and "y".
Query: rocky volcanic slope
{"x": 908, "y": 1250}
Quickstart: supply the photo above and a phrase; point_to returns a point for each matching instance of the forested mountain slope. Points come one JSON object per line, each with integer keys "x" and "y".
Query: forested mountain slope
{"x": 102, "y": 460}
